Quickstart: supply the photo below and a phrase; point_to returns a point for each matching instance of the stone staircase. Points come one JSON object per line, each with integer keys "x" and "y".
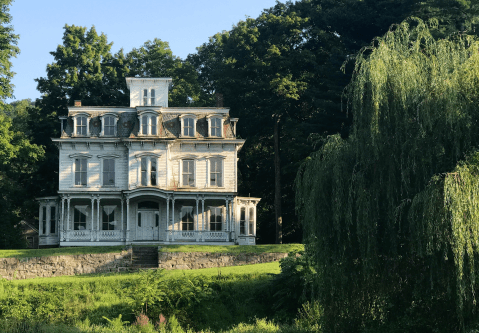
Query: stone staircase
{"x": 144, "y": 257}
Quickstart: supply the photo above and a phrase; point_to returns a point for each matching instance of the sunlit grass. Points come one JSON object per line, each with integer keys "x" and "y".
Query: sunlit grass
{"x": 267, "y": 268}
{"x": 234, "y": 249}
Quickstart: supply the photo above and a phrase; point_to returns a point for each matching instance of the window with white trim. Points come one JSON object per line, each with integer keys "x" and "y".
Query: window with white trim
{"x": 81, "y": 175}
{"x": 149, "y": 96}
{"x": 187, "y": 220}
{"x": 108, "y": 218}
{"x": 149, "y": 170}
{"x": 215, "y": 126}
{"x": 188, "y": 126}
{"x": 108, "y": 125}
{"x": 79, "y": 217}
{"x": 216, "y": 172}
{"x": 44, "y": 220}
{"x": 82, "y": 127}
{"x": 148, "y": 124}
{"x": 243, "y": 221}
{"x": 188, "y": 173}
{"x": 108, "y": 172}
{"x": 53, "y": 220}
{"x": 216, "y": 218}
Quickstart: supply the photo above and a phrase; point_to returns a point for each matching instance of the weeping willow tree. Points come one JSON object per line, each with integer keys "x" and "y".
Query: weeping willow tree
{"x": 392, "y": 212}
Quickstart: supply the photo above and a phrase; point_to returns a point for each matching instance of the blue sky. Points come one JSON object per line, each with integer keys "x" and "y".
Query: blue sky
{"x": 185, "y": 24}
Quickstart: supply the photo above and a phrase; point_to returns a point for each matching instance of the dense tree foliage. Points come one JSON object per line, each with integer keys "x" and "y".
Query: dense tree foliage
{"x": 155, "y": 59}
{"x": 18, "y": 156}
{"x": 391, "y": 211}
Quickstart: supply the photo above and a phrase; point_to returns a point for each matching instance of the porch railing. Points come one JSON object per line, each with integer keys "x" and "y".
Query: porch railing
{"x": 110, "y": 235}
{"x": 198, "y": 236}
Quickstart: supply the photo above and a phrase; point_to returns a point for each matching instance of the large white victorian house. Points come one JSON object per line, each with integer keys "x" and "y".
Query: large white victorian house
{"x": 147, "y": 173}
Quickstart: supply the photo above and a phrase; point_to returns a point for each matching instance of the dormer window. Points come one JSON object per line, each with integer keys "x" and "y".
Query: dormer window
{"x": 82, "y": 124}
{"x": 188, "y": 126}
{"x": 148, "y": 124}
{"x": 108, "y": 125}
{"x": 215, "y": 126}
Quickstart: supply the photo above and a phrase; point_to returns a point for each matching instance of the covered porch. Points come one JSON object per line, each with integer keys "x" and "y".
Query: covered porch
{"x": 148, "y": 216}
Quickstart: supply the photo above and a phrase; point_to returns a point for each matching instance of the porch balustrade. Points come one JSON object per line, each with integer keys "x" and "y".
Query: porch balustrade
{"x": 173, "y": 235}
{"x": 198, "y": 236}
{"x": 113, "y": 235}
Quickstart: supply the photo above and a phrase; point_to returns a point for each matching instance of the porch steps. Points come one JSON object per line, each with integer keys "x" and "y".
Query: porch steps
{"x": 144, "y": 257}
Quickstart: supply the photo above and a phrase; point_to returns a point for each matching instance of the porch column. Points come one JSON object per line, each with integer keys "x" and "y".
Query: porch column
{"x": 227, "y": 215}
{"x": 203, "y": 215}
{"x": 254, "y": 219}
{"x": 92, "y": 223}
{"x": 168, "y": 217}
{"x": 62, "y": 219}
{"x": 197, "y": 220}
{"x": 47, "y": 220}
{"x": 246, "y": 222}
{"x": 40, "y": 218}
{"x": 68, "y": 218}
{"x": 173, "y": 214}
{"x": 98, "y": 218}
{"x": 127, "y": 218}
{"x": 122, "y": 228}
{"x": 233, "y": 219}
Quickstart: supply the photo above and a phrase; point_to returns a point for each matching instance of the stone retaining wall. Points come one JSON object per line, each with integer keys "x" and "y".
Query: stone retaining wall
{"x": 26, "y": 268}
{"x": 195, "y": 260}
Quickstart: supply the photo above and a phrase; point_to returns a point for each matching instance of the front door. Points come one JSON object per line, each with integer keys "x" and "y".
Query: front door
{"x": 147, "y": 225}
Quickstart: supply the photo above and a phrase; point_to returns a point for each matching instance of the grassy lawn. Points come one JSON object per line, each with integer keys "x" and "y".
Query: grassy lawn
{"x": 235, "y": 249}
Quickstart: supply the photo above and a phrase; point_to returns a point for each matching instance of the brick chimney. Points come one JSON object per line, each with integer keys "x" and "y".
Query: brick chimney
{"x": 78, "y": 103}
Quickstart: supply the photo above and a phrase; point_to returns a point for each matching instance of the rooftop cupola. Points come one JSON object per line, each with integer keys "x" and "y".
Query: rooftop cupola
{"x": 148, "y": 91}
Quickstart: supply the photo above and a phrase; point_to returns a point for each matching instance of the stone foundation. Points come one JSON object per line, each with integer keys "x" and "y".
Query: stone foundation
{"x": 195, "y": 260}
{"x": 27, "y": 268}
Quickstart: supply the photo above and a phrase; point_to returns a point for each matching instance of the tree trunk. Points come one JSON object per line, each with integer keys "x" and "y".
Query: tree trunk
{"x": 277, "y": 184}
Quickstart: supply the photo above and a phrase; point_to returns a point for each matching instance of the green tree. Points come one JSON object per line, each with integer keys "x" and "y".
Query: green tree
{"x": 391, "y": 211}
{"x": 17, "y": 155}
{"x": 8, "y": 49}
{"x": 83, "y": 69}
{"x": 268, "y": 74}
{"x": 155, "y": 59}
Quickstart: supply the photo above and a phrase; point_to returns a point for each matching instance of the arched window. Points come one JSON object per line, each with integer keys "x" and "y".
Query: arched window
{"x": 148, "y": 124}
{"x": 82, "y": 124}
{"x": 188, "y": 126}
{"x": 108, "y": 124}
{"x": 215, "y": 126}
